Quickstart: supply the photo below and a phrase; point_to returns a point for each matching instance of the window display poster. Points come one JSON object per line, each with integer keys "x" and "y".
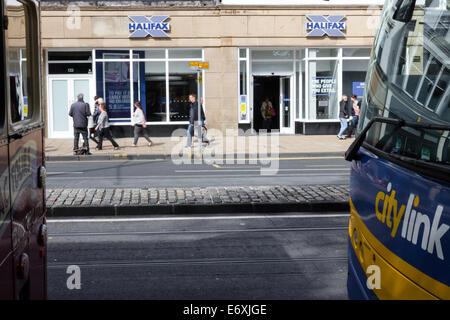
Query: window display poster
{"x": 117, "y": 89}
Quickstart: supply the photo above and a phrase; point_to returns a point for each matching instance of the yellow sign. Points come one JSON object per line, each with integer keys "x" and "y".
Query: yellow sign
{"x": 199, "y": 65}
{"x": 203, "y": 65}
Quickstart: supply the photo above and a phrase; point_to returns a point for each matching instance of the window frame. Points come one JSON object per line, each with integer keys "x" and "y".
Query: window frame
{"x": 32, "y": 46}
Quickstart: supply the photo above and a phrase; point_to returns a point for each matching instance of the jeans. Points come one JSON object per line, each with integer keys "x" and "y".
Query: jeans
{"x": 105, "y": 132}
{"x": 343, "y": 126}
{"x": 190, "y": 133}
{"x": 353, "y": 124}
{"x": 138, "y": 131}
{"x": 84, "y": 133}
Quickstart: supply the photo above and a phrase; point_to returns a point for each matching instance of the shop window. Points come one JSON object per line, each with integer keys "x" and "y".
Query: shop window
{"x": 182, "y": 82}
{"x": 261, "y": 67}
{"x": 70, "y": 56}
{"x": 323, "y": 100}
{"x": 185, "y": 53}
{"x": 113, "y": 84}
{"x": 353, "y": 77}
{"x": 356, "y": 52}
{"x": 155, "y": 88}
{"x": 272, "y": 54}
{"x": 112, "y": 54}
{"x": 243, "y": 77}
{"x": 151, "y": 53}
{"x": 323, "y": 52}
{"x": 70, "y": 68}
{"x": 242, "y": 53}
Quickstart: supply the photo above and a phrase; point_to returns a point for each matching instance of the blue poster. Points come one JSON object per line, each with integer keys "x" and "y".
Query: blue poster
{"x": 358, "y": 88}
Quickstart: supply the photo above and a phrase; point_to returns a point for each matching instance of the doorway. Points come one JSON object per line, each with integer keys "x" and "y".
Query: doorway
{"x": 62, "y": 92}
{"x": 278, "y": 90}
{"x": 266, "y": 87}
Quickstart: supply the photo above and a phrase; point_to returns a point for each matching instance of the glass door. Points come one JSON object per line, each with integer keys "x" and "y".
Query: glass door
{"x": 62, "y": 93}
{"x": 286, "y": 117}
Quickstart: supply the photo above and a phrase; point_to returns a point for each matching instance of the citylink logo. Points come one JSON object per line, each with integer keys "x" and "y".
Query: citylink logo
{"x": 392, "y": 214}
{"x": 143, "y": 26}
{"x": 320, "y": 25}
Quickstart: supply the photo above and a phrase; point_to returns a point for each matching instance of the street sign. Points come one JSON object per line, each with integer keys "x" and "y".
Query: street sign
{"x": 199, "y": 65}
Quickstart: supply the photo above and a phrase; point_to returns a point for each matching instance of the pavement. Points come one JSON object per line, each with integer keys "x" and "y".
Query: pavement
{"x": 165, "y": 147}
{"x": 116, "y": 201}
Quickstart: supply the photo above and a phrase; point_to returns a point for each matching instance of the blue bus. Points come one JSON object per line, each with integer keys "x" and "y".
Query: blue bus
{"x": 399, "y": 229}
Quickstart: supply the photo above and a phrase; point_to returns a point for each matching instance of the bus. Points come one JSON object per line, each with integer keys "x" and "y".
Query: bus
{"x": 399, "y": 228}
{"x": 23, "y": 231}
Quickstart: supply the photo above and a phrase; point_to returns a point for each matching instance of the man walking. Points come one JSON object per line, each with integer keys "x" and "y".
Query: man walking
{"x": 344, "y": 114}
{"x": 355, "y": 115}
{"x": 80, "y": 112}
{"x": 193, "y": 116}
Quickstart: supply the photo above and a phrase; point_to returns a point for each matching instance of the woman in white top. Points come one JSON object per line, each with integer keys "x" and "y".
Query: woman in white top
{"x": 139, "y": 124}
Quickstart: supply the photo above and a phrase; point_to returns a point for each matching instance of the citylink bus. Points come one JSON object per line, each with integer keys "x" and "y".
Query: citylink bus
{"x": 23, "y": 233}
{"x": 399, "y": 230}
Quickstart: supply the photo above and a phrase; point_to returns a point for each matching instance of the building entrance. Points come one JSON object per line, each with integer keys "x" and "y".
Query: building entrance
{"x": 266, "y": 87}
{"x": 278, "y": 90}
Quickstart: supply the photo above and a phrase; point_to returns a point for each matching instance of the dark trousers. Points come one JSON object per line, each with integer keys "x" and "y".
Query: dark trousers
{"x": 140, "y": 131}
{"x": 84, "y": 133}
{"x": 267, "y": 124}
{"x": 105, "y": 132}
{"x": 93, "y": 134}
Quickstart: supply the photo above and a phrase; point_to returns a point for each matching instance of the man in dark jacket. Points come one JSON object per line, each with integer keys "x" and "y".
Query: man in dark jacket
{"x": 193, "y": 117}
{"x": 80, "y": 111}
{"x": 344, "y": 113}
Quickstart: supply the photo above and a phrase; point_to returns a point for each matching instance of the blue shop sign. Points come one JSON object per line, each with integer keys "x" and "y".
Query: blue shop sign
{"x": 154, "y": 26}
{"x": 321, "y": 25}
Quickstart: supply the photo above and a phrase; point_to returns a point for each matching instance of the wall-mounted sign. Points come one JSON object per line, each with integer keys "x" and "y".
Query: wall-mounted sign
{"x": 358, "y": 88}
{"x": 243, "y": 114}
{"x": 321, "y": 25}
{"x": 154, "y": 26}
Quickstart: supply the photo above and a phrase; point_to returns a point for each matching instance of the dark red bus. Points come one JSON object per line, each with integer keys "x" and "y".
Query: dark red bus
{"x": 23, "y": 234}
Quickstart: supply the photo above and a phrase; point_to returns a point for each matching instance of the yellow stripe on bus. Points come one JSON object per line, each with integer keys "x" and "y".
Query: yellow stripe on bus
{"x": 399, "y": 279}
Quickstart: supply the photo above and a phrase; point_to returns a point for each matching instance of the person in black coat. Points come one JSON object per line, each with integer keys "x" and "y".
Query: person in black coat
{"x": 193, "y": 117}
{"x": 80, "y": 111}
{"x": 344, "y": 113}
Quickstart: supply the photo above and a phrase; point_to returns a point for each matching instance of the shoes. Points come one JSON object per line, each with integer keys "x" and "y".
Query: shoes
{"x": 116, "y": 148}
{"x": 150, "y": 144}
{"x": 341, "y": 138}
{"x": 96, "y": 148}
{"x": 134, "y": 145}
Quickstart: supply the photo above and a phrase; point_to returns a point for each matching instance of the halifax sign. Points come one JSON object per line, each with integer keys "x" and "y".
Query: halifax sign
{"x": 321, "y": 25}
{"x": 154, "y": 26}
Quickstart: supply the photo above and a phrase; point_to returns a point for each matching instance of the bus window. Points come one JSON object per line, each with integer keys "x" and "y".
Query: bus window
{"x": 17, "y": 62}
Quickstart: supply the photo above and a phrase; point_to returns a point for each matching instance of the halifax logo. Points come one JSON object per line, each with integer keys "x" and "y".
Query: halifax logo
{"x": 320, "y": 25}
{"x": 143, "y": 26}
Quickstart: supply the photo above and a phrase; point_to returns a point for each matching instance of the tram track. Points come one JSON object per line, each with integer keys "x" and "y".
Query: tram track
{"x": 174, "y": 232}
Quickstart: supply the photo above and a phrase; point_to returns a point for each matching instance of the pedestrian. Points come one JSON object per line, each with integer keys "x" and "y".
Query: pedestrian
{"x": 138, "y": 120}
{"x": 193, "y": 117}
{"x": 267, "y": 112}
{"x": 95, "y": 114}
{"x": 80, "y": 111}
{"x": 355, "y": 115}
{"x": 344, "y": 114}
{"x": 103, "y": 128}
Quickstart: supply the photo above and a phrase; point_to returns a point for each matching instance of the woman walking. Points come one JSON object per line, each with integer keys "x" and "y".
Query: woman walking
{"x": 103, "y": 128}
{"x": 139, "y": 124}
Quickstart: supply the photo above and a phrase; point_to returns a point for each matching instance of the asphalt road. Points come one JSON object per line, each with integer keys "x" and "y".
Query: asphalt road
{"x": 161, "y": 173}
{"x": 273, "y": 256}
